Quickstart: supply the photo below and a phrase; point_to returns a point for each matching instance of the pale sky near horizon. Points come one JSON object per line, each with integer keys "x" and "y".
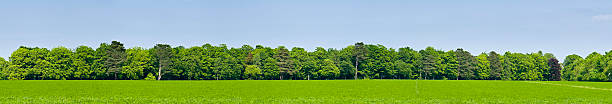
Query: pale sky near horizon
{"x": 561, "y": 27}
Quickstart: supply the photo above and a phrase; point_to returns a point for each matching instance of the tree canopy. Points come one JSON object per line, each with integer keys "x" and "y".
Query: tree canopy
{"x": 359, "y": 61}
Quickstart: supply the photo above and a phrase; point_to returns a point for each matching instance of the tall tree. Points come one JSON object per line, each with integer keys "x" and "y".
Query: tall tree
{"x": 359, "y": 53}
{"x": 328, "y": 70}
{"x": 60, "y": 64}
{"x": 299, "y": 56}
{"x": 99, "y": 64}
{"x": 82, "y": 61}
{"x": 496, "y": 65}
{"x": 284, "y": 63}
{"x": 413, "y": 60}
{"x": 191, "y": 62}
{"x": 137, "y": 62}
{"x": 570, "y": 64}
{"x": 450, "y": 65}
{"x": 431, "y": 62}
{"x": 466, "y": 64}
{"x": 3, "y": 66}
{"x": 116, "y": 58}
{"x": 555, "y": 69}
{"x": 483, "y": 70}
{"x": 162, "y": 54}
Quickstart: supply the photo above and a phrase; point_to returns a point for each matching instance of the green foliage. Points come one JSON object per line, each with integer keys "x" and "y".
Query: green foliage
{"x": 137, "y": 62}
{"x": 59, "y": 64}
{"x": 115, "y": 59}
{"x": 82, "y": 61}
{"x": 366, "y": 61}
{"x": 431, "y": 63}
{"x": 252, "y": 72}
{"x": 162, "y": 55}
{"x": 328, "y": 70}
{"x": 150, "y": 76}
{"x": 467, "y": 64}
{"x": 3, "y": 66}
{"x": 359, "y": 53}
{"x": 495, "y": 61}
{"x": 284, "y": 63}
{"x": 484, "y": 68}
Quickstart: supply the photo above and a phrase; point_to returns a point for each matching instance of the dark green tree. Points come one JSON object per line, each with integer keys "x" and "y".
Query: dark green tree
{"x": 359, "y": 53}
{"x": 163, "y": 58}
{"x": 116, "y": 58}
{"x": 496, "y": 65}
{"x": 466, "y": 64}
{"x": 284, "y": 63}
{"x": 430, "y": 62}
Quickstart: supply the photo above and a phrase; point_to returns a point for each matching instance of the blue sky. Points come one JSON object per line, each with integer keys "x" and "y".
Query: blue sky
{"x": 555, "y": 26}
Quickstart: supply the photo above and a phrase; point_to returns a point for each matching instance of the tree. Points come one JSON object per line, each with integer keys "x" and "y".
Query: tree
{"x": 82, "y": 61}
{"x": 378, "y": 64}
{"x": 359, "y": 54}
{"x": 483, "y": 70}
{"x": 270, "y": 69}
{"x": 555, "y": 69}
{"x": 60, "y": 64}
{"x": 239, "y": 55}
{"x": 430, "y": 61}
{"x": 191, "y": 61}
{"x": 466, "y": 64}
{"x": 413, "y": 60}
{"x": 496, "y": 65}
{"x": 284, "y": 63}
{"x": 252, "y": 72}
{"x": 328, "y": 70}
{"x": 116, "y": 58}
{"x": 113, "y": 61}
{"x": 299, "y": 56}
{"x": 137, "y": 62}
{"x": 404, "y": 69}
{"x": 592, "y": 68}
{"x": 570, "y": 64}
{"x": 3, "y": 66}
{"x": 162, "y": 54}
{"x": 449, "y": 65}
{"x": 345, "y": 57}
{"x": 99, "y": 65}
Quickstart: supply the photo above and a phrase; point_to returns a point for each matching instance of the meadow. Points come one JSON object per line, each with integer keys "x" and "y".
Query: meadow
{"x": 303, "y": 91}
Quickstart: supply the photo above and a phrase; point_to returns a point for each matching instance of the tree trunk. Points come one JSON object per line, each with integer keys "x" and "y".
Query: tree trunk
{"x": 159, "y": 72}
{"x": 356, "y": 64}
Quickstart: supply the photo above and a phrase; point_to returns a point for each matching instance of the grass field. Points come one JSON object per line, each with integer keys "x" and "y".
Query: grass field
{"x": 322, "y": 91}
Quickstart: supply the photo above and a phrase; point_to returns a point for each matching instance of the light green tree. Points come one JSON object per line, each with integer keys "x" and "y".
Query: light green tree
{"x": 252, "y": 72}
{"x": 137, "y": 61}
{"x": 328, "y": 70}
{"x": 82, "y": 61}
{"x": 484, "y": 68}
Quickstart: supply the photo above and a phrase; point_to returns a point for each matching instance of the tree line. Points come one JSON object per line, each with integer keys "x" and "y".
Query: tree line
{"x": 360, "y": 61}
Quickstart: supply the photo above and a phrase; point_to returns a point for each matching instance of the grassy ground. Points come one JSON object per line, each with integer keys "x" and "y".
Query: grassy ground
{"x": 332, "y": 91}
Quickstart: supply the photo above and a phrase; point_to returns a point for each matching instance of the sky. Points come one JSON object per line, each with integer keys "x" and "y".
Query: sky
{"x": 561, "y": 27}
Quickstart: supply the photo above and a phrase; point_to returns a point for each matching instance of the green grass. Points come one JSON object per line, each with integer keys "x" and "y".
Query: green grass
{"x": 322, "y": 91}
